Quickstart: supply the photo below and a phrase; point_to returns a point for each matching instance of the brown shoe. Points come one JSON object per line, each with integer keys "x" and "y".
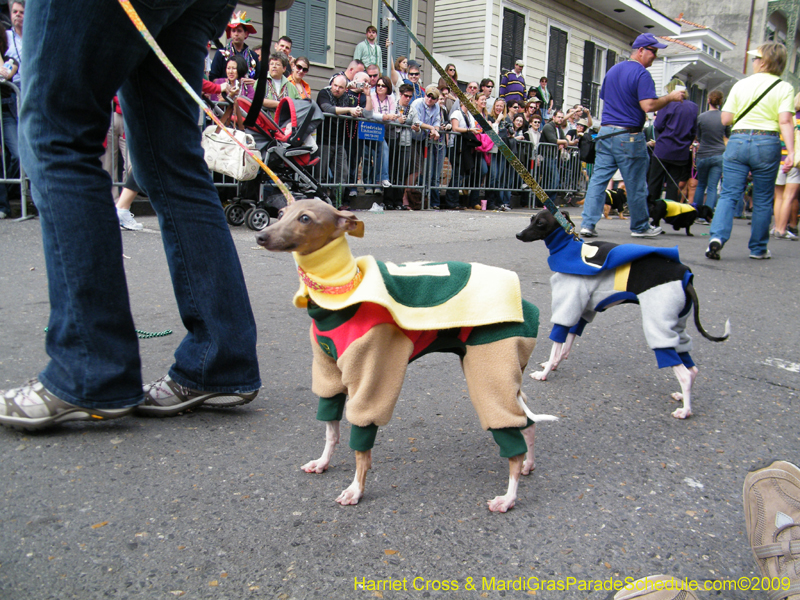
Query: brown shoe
{"x": 655, "y": 587}
{"x": 772, "y": 517}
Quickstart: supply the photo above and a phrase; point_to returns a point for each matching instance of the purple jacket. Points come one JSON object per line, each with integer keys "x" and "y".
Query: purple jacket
{"x": 675, "y": 127}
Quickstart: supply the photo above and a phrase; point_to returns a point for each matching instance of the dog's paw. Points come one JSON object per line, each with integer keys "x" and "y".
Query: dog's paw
{"x": 315, "y": 466}
{"x": 350, "y": 496}
{"x": 539, "y": 375}
{"x": 682, "y": 413}
{"x": 501, "y": 504}
{"x": 677, "y": 396}
{"x": 528, "y": 466}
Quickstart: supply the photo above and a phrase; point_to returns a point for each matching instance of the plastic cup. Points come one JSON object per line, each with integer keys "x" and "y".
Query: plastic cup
{"x": 483, "y": 204}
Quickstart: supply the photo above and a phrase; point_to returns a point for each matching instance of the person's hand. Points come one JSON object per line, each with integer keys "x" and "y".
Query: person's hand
{"x": 389, "y": 43}
{"x": 677, "y": 96}
{"x": 5, "y": 73}
{"x": 356, "y": 111}
{"x": 401, "y": 119}
{"x": 788, "y": 163}
{"x": 415, "y": 127}
{"x": 434, "y": 134}
{"x": 247, "y": 81}
{"x": 652, "y": 143}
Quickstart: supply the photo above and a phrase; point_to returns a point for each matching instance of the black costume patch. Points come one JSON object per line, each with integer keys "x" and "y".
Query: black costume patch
{"x": 652, "y": 271}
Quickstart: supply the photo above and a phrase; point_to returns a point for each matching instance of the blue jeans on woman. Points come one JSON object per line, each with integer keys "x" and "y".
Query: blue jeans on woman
{"x": 91, "y": 339}
{"x": 761, "y": 156}
{"x": 709, "y": 172}
{"x": 499, "y": 176}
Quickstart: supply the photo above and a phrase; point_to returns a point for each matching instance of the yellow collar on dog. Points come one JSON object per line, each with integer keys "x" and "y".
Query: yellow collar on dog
{"x": 333, "y": 268}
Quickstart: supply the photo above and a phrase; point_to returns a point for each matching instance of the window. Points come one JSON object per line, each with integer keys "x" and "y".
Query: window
{"x": 557, "y": 65}
{"x": 401, "y": 46}
{"x": 513, "y": 40}
{"x": 307, "y": 25}
{"x": 712, "y": 51}
{"x": 595, "y": 59}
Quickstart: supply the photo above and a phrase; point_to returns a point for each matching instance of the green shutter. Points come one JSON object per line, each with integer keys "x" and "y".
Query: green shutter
{"x": 307, "y": 25}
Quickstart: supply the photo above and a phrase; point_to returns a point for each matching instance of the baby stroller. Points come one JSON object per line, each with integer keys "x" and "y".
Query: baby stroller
{"x": 286, "y": 145}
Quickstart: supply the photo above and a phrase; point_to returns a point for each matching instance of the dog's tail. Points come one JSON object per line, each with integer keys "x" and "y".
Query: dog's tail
{"x": 692, "y": 294}
{"x": 522, "y": 399}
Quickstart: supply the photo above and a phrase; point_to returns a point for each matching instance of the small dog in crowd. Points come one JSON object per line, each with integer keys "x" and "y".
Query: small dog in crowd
{"x": 371, "y": 319}
{"x": 615, "y": 199}
{"x": 678, "y": 214}
{"x": 590, "y": 277}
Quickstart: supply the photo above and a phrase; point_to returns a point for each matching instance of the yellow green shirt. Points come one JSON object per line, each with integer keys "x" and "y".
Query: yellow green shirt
{"x": 764, "y": 115}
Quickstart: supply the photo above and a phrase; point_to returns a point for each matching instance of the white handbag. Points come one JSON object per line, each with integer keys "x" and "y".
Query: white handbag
{"x": 225, "y": 156}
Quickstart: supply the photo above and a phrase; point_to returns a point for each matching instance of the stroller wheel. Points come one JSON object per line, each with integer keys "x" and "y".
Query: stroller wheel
{"x": 257, "y": 219}
{"x": 234, "y": 214}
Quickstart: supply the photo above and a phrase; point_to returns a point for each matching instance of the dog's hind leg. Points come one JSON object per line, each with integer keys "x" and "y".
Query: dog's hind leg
{"x": 331, "y": 441}
{"x": 686, "y": 378}
{"x": 504, "y": 503}
{"x": 353, "y": 494}
{"x": 529, "y": 433}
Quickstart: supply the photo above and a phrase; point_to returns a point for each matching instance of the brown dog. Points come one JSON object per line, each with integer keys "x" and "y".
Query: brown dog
{"x": 362, "y": 343}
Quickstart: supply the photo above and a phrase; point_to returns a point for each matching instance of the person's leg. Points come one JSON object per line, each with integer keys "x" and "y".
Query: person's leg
{"x": 783, "y": 211}
{"x": 714, "y": 176}
{"x": 633, "y": 162}
{"x": 765, "y": 158}
{"x": 605, "y": 165}
{"x": 703, "y": 169}
{"x": 6, "y": 123}
{"x": 655, "y": 179}
{"x": 736, "y": 169}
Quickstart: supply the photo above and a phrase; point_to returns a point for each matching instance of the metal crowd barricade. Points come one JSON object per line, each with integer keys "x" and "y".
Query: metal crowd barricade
{"x": 12, "y": 171}
{"x": 348, "y": 162}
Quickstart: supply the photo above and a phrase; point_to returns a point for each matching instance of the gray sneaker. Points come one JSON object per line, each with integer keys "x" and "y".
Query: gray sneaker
{"x": 588, "y": 232}
{"x": 650, "y": 232}
{"x": 166, "y": 398}
{"x": 764, "y": 256}
{"x": 32, "y": 407}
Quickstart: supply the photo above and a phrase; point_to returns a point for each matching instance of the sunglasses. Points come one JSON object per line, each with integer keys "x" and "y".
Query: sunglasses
{"x": 536, "y": 122}
{"x": 653, "y": 50}
{"x": 451, "y": 69}
{"x": 431, "y": 96}
{"x": 488, "y": 87}
{"x": 374, "y": 76}
{"x": 408, "y": 96}
{"x": 303, "y": 69}
{"x": 757, "y": 58}
{"x": 383, "y": 85}
{"x": 413, "y": 74}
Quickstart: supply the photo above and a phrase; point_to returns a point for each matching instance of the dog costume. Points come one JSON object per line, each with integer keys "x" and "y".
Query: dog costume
{"x": 651, "y": 277}
{"x": 677, "y": 214}
{"x": 406, "y": 311}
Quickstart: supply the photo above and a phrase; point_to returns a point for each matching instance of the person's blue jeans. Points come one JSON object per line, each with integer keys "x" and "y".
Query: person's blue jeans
{"x": 628, "y": 153}
{"x": 709, "y": 172}
{"x": 761, "y": 156}
{"x": 499, "y": 177}
{"x": 383, "y": 160}
{"x": 436, "y": 154}
{"x": 64, "y": 118}
{"x": 9, "y": 140}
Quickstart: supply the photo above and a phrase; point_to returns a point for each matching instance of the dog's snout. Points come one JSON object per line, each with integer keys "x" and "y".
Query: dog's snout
{"x": 262, "y": 237}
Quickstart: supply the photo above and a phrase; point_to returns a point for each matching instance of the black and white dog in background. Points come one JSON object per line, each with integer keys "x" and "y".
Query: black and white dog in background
{"x": 591, "y": 277}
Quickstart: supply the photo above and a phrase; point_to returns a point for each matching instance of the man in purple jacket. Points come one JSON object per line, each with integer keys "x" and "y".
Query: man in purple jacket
{"x": 675, "y": 127}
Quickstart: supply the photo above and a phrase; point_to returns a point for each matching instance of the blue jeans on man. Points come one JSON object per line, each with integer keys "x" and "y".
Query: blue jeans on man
{"x": 744, "y": 154}
{"x": 91, "y": 338}
{"x": 628, "y": 153}
{"x": 709, "y": 172}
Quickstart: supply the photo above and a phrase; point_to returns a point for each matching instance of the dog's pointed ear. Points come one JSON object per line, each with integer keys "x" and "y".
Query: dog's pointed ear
{"x": 349, "y": 223}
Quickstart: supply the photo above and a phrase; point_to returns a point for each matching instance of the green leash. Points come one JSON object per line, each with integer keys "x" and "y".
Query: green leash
{"x": 144, "y": 335}
{"x": 487, "y": 129}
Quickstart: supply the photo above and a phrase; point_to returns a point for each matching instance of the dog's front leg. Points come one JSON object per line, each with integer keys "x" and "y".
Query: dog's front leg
{"x": 331, "y": 440}
{"x": 551, "y": 364}
{"x": 353, "y": 493}
{"x": 504, "y": 503}
{"x": 686, "y": 378}
{"x": 566, "y": 349}
{"x": 529, "y": 433}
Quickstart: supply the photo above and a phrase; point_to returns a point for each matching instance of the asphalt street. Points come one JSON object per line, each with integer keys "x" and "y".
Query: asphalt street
{"x": 213, "y": 504}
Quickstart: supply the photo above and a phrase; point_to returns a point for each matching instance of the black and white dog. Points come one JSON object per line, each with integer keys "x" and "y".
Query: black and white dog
{"x": 680, "y": 216}
{"x": 591, "y": 277}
